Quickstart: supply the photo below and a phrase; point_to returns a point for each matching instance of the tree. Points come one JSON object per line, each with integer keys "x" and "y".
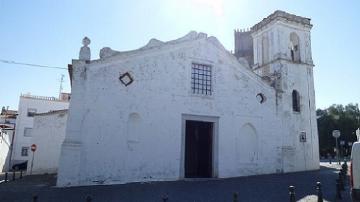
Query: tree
{"x": 337, "y": 117}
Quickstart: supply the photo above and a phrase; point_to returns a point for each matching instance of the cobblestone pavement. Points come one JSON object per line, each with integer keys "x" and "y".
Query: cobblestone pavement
{"x": 272, "y": 187}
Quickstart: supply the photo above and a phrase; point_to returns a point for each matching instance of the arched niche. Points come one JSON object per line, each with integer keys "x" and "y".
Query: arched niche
{"x": 247, "y": 144}
{"x": 134, "y": 126}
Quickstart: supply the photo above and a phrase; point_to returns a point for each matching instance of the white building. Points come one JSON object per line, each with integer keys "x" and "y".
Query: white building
{"x": 48, "y": 133}
{"x": 189, "y": 108}
{"x": 29, "y": 105}
{"x": 7, "y": 125}
{"x": 5, "y": 145}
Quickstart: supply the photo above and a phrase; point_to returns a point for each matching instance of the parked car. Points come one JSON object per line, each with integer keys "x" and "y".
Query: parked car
{"x": 355, "y": 172}
{"x": 20, "y": 166}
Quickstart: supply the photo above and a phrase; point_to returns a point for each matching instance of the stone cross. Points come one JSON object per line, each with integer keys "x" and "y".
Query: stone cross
{"x": 85, "y": 53}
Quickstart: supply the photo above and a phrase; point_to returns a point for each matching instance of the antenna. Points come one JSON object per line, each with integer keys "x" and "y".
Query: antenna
{"x": 61, "y": 85}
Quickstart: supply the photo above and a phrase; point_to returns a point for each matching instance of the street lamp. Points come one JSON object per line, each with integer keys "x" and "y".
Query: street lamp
{"x": 336, "y": 134}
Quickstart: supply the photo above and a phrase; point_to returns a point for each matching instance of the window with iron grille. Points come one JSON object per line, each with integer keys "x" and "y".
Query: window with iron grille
{"x": 201, "y": 79}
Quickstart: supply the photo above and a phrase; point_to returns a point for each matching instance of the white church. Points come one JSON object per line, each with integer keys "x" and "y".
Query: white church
{"x": 189, "y": 108}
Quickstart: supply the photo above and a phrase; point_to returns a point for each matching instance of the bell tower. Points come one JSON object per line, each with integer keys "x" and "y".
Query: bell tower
{"x": 282, "y": 56}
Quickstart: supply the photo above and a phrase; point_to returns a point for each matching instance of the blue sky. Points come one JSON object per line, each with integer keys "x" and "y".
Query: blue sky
{"x": 50, "y": 33}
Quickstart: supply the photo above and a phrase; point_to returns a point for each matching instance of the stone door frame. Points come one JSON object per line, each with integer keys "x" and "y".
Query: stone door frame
{"x": 215, "y": 141}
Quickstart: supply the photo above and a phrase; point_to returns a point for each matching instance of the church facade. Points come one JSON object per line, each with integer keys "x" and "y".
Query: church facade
{"x": 188, "y": 108}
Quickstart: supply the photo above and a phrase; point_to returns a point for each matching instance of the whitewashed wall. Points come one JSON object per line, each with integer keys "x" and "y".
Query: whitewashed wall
{"x": 48, "y": 134}
{"x": 24, "y": 121}
{"x": 5, "y": 142}
{"x": 6, "y": 136}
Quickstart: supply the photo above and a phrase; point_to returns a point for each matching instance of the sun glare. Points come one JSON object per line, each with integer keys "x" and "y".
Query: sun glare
{"x": 217, "y": 6}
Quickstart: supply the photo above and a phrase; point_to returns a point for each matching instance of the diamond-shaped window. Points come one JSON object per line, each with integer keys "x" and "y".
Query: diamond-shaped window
{"x": 126, "y": 79}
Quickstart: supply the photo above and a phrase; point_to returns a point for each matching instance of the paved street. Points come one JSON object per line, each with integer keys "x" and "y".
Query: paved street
{"x": 256, "y": 188}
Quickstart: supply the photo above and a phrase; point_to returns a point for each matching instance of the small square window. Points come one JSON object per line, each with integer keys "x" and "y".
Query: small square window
{"x": 31, "y": 112}
{"x": 201, "y": 79}
{"x": 27, "y": 132}
{"x": 25, "y": 151}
